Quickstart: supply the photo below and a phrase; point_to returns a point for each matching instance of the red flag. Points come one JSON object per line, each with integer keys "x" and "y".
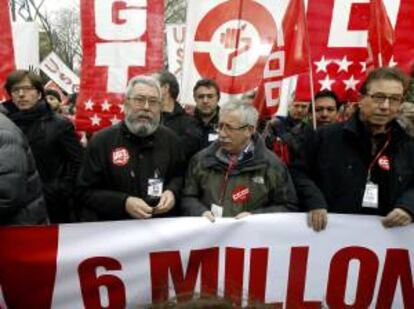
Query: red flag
{"x": 381, "y": 36}
{"x": 119, "y": 41}
{"x": 284, "y": 61}
{"x": 7, "y": 64}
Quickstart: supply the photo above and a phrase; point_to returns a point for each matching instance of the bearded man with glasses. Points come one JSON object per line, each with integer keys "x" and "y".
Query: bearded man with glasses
{"x": 134, "y": 169}
{"x": 237, "y": 175}
{"x": 362, "y": 166}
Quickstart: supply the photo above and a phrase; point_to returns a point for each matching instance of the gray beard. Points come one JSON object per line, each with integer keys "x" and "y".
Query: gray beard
{"x": 140, "y": 129}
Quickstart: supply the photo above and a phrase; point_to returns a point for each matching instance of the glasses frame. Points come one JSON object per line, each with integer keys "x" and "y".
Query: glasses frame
{"x": 392, "y": 101}
{"x": 141, "y": 101}
{"x": 229, "y": 128}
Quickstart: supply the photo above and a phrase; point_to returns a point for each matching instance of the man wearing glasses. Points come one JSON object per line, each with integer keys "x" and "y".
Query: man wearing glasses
{"x": 237, "y": 175}
{"x": 206, "y": 95}
{"x": 362, "y": 166}
{"x": 133, "y": 170}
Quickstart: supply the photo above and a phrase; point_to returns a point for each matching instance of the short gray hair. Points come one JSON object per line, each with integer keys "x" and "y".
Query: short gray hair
{"x": 146, "y": 80}
{"x": 249, "y": 114}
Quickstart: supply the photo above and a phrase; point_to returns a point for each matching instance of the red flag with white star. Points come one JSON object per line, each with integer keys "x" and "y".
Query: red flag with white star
{"x": 338, "y": 32}
{"x": 284, "y": 61}
{"x": 381, "y": 36}
{"x": 119, "y": 41}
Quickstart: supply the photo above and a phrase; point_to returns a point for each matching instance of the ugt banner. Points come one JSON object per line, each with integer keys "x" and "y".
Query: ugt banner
{"x": 120, "y": 39}
{"x": 274, "y": 259}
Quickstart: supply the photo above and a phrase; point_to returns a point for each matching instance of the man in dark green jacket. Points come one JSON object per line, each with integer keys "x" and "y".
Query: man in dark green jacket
{"x": 237, "y": 175}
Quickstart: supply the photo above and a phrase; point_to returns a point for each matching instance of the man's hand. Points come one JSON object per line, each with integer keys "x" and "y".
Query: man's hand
{"x": 242, "y": 215}
{"x": 209, "y": 215}
{"x": 318, "y": 219}
{"x": 166, "y": 203}
{"x": 397, "y": 217}
{"x": 137, "y": 208}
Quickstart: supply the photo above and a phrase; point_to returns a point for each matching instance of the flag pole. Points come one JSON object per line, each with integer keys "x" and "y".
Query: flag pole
{"x": 310, "y": 73}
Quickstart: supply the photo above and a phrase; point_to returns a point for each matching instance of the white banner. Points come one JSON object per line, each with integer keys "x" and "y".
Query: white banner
{"x": 175, "y": 50}
{"x": 229, "y": 41}
{"x": 60, "y": 73}
{"x": 272, "y": 258}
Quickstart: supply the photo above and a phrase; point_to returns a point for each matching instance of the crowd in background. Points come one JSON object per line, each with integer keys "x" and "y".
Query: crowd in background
{"x": 221, "y": 160}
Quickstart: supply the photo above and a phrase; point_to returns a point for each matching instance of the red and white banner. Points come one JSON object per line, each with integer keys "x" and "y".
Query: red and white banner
{"x": 7, "y": 63}
{"x": 338, "y": 31}
{"x": 60, "y": 73}
{"x": 121, "y": 39}
{"x": 229, "y": 41}
{"x": 175, "y": 50}
{"x": 274, "y": 259}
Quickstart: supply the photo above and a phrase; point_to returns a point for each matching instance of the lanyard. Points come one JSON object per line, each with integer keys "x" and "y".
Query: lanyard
{"x": 378, "y": 156}
{"x": 232, "y": 164}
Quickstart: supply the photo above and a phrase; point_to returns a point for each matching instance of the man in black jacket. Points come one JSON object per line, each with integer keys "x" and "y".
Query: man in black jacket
{"x": 174, "y": 116}
{"x": 362, "y": 166}
{"x": 51, "y": 137}
{"x": 135, "y": 168}
{"x": 21, "y": 197}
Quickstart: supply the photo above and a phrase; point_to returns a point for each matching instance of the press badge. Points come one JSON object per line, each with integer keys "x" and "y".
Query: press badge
{"x": 155, "y": 186}
{"x": 217, "y": 210}
{"x": 212, "y": 137}
{"x": 370, "y": 199}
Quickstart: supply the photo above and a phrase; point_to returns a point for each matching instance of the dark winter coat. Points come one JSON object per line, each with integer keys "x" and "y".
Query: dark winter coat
{"x": 21, "y": 197}
{"x": 208, "y": 129}
{"x": 119, "y": 164}
{"x": 57, "y": 152}
{"x": 334, "y": 174}
{"x": 262, "y": 177}
{"x": 185, "y": 127}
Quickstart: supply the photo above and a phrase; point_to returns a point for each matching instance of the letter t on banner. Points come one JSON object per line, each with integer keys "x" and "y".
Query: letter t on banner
{"x": 7, "y": 64}
{"x": 120, "y": 39}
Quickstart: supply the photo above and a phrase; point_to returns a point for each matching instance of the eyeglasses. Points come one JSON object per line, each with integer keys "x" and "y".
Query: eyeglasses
{"x": 226, "y": 127}
{"x": 205, "y": 95}
{"x": 380, "y": 98}
{"x": 16, "y": 90}
{"x": 141, "y": 101}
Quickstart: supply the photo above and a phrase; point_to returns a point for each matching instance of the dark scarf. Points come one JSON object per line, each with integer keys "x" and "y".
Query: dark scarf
{"x": 27, "y": 117}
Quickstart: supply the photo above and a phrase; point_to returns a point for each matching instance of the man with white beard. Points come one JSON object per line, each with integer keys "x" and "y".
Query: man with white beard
{"x": 133, "y": 170}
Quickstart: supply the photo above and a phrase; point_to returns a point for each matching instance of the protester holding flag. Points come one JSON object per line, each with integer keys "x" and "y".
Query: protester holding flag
{"x": 362, "y": 166}
{"x": 134, "y": 169}
{"x": 51, "y": 137}
{"x": 237, "y": 175}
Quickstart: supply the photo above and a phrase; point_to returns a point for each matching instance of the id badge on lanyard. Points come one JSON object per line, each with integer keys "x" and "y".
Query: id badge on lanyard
{"x": 370, "y": 199}
{"x": 155, "y": 186}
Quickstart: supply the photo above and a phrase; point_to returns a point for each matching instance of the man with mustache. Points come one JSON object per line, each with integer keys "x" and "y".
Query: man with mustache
{"x": 364, "y": 165}
{"x": 133, "y": 170}
{"x": 237, "y": 175}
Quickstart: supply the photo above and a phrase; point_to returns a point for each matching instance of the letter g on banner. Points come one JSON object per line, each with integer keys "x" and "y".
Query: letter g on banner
{"x": 121, "y": 24}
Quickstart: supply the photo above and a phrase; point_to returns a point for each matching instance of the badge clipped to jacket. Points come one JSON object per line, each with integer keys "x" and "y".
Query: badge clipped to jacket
{"x": 217, "y": 210}
{"x": 370, "y": 199}
{"x": 155, "y": 186}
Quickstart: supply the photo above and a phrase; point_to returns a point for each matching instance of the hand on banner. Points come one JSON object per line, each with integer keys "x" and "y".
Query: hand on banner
{"x": 397, "y": 217}
{"x": 209, "y": 215}
{"x": 242, "y": 215}
{"x": 318, "y": 219}
{"x": 167, "y": 202}
{"x": 137, "y": 208}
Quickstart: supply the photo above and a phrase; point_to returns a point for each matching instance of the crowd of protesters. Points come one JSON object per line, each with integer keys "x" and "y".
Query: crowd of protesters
{"x": 161, "y": 161}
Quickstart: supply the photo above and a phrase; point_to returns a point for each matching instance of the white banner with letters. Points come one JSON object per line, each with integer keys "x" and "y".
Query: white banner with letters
{"x": 274, "y": 259}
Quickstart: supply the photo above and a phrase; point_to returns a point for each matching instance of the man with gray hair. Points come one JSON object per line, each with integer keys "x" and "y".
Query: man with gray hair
{"x": 237, "y": 175}
{"x": 133, "y": 169}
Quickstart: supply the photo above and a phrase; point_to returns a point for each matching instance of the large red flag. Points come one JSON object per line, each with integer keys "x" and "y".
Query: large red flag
{"x": 7, "y": 64}
{"x": 284, "y": 61}
{"x": 381, "y": 36}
